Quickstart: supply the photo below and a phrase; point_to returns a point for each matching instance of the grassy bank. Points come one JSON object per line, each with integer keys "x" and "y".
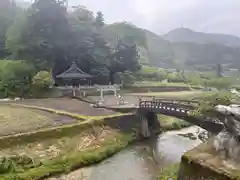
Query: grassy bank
{"x": 170, "y": 172}
{"x": 157, "y": 83}
{"x": 71, "y": 160}
{"x": 169, "y": 123}
{"x": 185, "y": 95}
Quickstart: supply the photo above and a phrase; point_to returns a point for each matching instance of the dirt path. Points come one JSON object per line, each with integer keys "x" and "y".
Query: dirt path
{"x": 66, "y": 104}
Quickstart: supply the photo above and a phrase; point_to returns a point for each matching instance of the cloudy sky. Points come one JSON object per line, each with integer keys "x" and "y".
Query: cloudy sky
{"x": 161, "y": 16}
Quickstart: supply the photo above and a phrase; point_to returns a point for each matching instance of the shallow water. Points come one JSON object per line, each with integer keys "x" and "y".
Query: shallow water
{"x": 142, "y": 161}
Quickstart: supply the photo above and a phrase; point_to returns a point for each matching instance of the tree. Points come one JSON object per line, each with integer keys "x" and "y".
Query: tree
{"x": 89, "y": 47}
{"x": 124, "y": 58}
{"x": 16, "y": 78}
{"x": 42, "y": 80}
{"x": 100, "y": 19}
{"x": 219, "y": 70}
{"x": 8, "y": 12}
{"x": 45, "y": 36}
{"x": 219, "y": 83}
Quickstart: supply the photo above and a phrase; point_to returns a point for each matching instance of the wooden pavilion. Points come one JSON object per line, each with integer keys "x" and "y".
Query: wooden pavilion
{"x": 75, "y": 77}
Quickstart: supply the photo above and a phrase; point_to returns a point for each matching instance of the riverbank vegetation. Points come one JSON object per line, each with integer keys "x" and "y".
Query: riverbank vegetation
{"x": 208, "y": 102}
{"x": 169, "y": 123}
{"x": 53, "y": 156}
{"x": 170, "y": 172}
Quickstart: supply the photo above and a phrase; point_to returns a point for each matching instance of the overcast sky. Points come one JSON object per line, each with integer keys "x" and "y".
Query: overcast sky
{"x": 161, "y": 16}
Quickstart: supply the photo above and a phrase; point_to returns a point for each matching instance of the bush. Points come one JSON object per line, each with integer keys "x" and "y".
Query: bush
{"x": 219, "y": 83}
{"x": 42, "y": 80}
{"x": 208, "y": 103}
{"x": 16, "y": 163}
{"x": 128, "y": 78}
{"x": 170, "y": 172}
{"x": 15, "y": 78}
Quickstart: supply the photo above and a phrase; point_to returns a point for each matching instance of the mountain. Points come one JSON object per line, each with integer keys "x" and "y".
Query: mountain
{"x": 157, "y": 51}
{"x": 187, "y": 35}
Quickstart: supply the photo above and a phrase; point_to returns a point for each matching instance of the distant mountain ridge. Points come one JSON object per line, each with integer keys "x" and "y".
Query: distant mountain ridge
{"x": 185, "y": 53}
{"x": 188, "y": 35}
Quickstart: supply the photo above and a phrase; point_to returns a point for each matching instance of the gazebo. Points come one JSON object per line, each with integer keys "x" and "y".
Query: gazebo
{"x": 75, "y": 77}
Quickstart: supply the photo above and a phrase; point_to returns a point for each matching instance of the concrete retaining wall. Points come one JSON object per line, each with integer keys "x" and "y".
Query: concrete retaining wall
{"x": 203, "y": 163}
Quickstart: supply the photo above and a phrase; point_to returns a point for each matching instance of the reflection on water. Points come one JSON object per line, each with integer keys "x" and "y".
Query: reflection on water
{"x": 143, "y": 160}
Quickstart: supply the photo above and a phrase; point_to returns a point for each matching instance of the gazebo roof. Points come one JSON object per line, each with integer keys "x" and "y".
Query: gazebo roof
{"x": 74, "y": 73}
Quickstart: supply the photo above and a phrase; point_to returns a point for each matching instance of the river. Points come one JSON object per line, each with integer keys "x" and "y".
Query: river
{"x": 140, "y": 161}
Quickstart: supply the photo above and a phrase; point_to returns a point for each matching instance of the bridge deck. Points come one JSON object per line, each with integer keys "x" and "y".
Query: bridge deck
{"x": 182, "y": 111}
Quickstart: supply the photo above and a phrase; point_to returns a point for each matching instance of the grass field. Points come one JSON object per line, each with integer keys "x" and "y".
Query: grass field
{"x": 178, "y": 95}
{"x": 16, "y": 120}
{"x": 157, "y": 83}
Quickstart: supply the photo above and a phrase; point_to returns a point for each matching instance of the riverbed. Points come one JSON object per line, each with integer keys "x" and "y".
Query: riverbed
{"x": 141, "y": 161}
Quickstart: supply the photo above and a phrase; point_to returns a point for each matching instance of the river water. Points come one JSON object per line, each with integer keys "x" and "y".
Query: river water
{"x": 141, "y": 161}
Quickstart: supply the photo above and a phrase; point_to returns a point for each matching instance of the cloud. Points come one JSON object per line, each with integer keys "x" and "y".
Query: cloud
{"x": 161, "y": 16}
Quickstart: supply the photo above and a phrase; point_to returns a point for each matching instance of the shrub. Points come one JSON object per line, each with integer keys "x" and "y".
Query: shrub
{"x": 15, "y": 78}
{"x": 128, "y": 78}
{"x": 219, "y": 83}
{"x": 42, "y": 80}
{"x": 208, "y": 103}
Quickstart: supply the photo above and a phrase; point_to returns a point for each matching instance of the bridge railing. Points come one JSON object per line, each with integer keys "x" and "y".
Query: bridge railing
{"x": 177, "y": 101}
{"x": 163, "y": 106}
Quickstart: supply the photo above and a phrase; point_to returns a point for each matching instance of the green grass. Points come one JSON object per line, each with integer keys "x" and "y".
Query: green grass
{"x": 187, "y": 95}
{"x": 171, "y": 123}
{"x": 170, "y": 172}
{"x": 157, "y": 83}
{"x": 73, "y": 160}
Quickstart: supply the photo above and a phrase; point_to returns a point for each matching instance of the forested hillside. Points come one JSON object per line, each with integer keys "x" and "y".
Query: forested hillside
{"x": 187, "y": 35}
{"x": 163, "y": 53}
{"x": 40, "y": 41}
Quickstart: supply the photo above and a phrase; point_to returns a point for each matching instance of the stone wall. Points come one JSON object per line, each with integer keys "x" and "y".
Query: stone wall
{"x": 203, "y": 163}
{"x": 132, "y": 123}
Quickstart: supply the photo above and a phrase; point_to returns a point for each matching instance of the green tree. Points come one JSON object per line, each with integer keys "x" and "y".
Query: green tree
{"x": 8, "y": 12}
{"x": 219, "y": 70}
{"x": 219, "y": 83}
{"x": 89, "y": 47}
{"x": 16, "y": 79}
{"x": 124, "y": 58}
{"x": 100, "y": 20}
{"x": 45, "y": 36}
{"x": 42, "y": 80}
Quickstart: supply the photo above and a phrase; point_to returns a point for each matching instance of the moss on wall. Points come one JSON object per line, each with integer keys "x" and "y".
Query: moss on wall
{"x": 203, "y": 162}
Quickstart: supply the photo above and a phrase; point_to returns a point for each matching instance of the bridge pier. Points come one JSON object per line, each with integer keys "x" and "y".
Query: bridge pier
{"x": 145, "y": 131}
{"x": 149, "y": 123}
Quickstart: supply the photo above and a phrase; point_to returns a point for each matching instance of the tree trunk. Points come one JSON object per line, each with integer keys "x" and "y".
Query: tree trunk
{"x": 111, "y": 77}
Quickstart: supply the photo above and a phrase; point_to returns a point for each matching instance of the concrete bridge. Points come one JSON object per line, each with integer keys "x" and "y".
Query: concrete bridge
{"x": 148, "y": 110}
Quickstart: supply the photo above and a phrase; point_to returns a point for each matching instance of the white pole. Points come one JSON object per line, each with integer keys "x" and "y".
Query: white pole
{"x": 101, "y": 95}
{"x": 74, "y": 93}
